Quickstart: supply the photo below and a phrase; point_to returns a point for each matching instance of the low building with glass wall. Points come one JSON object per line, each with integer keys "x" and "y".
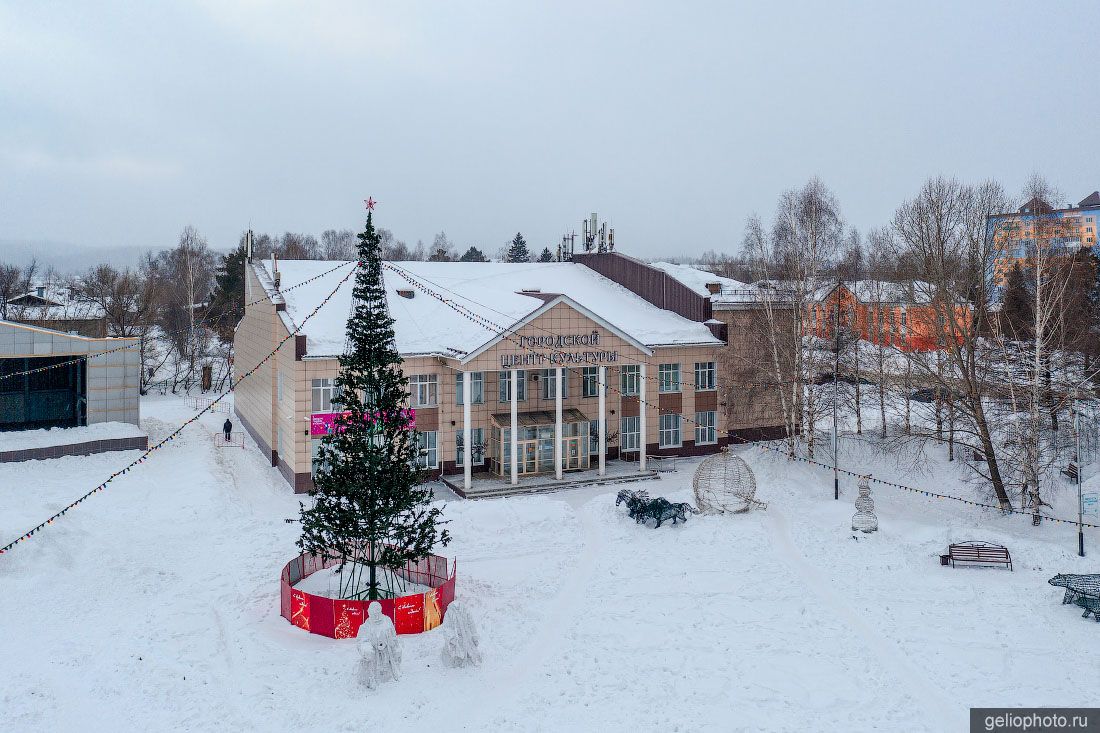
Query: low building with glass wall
{"x": 552, "y": 353}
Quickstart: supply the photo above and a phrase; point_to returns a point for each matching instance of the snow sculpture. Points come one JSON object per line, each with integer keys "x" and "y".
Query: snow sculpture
{"x": 460, "y": 647}
{"x": 864, "y": 519}
{"x": 724, "y": 484}
{"x": 380, "y": 656}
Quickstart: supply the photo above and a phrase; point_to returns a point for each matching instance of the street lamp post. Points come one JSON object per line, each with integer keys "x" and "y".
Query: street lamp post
{"x": 836, "y": 391}
{"x": 1080, "y": 496}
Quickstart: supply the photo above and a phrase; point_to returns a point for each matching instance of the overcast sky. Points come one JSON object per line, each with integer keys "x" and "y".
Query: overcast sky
{"x": 122, "y": 123}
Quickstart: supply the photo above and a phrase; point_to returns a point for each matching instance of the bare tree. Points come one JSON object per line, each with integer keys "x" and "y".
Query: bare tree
{"x": 944, "y": 235}
{"x": 793, "y": 258}
{"x": 128, "y": 300}
{"x": 184, "y": 277}
{"x": 340, "y": 245}
{"x": 1048, "y": 268}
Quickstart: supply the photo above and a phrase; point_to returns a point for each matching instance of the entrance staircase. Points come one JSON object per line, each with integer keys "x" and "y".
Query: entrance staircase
{"x": 482, "y": 488}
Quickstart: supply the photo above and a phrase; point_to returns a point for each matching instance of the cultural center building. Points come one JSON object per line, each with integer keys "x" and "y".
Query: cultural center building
{"x": 515, "y": 370}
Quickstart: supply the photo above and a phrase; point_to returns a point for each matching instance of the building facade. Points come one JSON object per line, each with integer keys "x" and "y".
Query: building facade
{"x": 1038, "y": 223}
{"x": 81, "y": 386}
{"x": 553, "y": 356}
{"x": 891, "y": 314}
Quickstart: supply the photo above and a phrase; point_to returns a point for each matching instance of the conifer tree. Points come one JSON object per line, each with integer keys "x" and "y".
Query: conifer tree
{"x": 227, "y": 302}
{"x": 371, "y": 511}
{"x": 1017, "y": 312}
{"x": 546, "y": 256}
{"x": 473, "y": 254}
{"x": 518, "y": 251}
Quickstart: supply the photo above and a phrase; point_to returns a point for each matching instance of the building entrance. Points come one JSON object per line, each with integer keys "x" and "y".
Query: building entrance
{"x": 51, "y": 398}
{"x": 535, "y": 446}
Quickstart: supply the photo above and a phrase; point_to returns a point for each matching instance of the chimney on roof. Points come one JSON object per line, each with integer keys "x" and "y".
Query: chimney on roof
{"x": 714, "y": 288}
{"x": 406, "y": 293}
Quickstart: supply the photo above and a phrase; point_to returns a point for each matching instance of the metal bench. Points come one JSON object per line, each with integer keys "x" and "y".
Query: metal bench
{"x": 1072, "y": 472}
{"x": 982, "y": 553}
{"x": 664, "y": 464}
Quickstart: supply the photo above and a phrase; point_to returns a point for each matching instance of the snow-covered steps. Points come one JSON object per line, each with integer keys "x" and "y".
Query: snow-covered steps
{"x": 493, "y": 488}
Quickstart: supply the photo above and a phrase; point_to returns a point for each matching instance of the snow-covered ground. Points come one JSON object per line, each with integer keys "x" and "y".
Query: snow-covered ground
{"x": 26, "y": 439}
{"x": 154, "y": 606}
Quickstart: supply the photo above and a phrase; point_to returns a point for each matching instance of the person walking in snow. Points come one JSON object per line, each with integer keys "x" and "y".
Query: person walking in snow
{"x": 227, "y": 429}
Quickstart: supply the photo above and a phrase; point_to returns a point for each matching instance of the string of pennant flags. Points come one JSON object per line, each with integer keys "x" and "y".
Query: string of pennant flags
{"x": 922, "y": 492}
{"x": 58, "y": 365}
{"x": 95, "y": 354}
{"x": 424, "y": 285}
{"x": 496, "y": 327}
{"x": 486, "y": 323}
{"x": 506, "y": 333}
{"x": 175, "y": 433}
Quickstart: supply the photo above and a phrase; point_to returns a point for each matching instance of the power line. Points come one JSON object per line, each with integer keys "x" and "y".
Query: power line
{"x": 171, "y": 436}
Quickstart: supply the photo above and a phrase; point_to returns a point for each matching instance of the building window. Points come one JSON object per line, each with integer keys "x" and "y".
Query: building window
{"x": 477, "y": 438}
{"x": 477, "y": 388}
{"x": 324, "y": 391}
{"x": 278, "y": 386}
{"x": 427, "y": 450}
{"x": 668, "y": 434}
{"x": 590, "y": 377}
{"x": 705, "y": 376}
{"x": 904, "y": 322}
{"x": 424, "y": 390}
{"x": 550, "y": 383}
{"x": 706, "y": 427}
{"x": 668, "y": 378}
{"x": 629, "y": 434}
{"x": 593, "y": 437}
{"x": 630, "y": 379}
{"x": 521, "y": 385}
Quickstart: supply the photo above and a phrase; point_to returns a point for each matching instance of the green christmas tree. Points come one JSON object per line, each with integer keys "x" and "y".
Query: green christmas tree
{"x": 227, "y": 302}
{"x": 371, "y": 511}
{"x": 546, "y": 256}
{"x": 518, "y": 251}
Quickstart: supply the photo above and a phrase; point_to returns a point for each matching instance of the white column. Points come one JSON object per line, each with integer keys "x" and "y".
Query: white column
{"x": 557, "y": 424}
{"x": 467, "y": 445}
{"x": 641, "y": 418}
{"x": 602, "y": 378}
{"x": 513, "y": 393}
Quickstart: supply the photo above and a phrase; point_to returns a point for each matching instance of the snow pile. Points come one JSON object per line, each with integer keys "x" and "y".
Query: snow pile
{"x": 28, "y": 439}
{"x": 328, "y": 582}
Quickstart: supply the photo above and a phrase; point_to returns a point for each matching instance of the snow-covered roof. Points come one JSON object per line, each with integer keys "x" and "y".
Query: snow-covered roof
{"x": 492, "y": 290}
{"x": 880, "y": 291}
{"x": 697, "y": 279}
{"x": 49, "y": 300}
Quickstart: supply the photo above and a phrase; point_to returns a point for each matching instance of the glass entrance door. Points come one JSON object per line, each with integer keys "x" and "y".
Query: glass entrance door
{"x": 571, "y": 453}
{"x": 528, "y": 455}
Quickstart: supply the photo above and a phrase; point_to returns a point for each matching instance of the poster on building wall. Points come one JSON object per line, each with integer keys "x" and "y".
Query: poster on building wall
{"x": 323, "y": 423}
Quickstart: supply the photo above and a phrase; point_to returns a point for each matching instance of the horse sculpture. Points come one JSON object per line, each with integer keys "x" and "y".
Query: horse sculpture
{"x": 642, "y": 508}
{"x": 635, "y": 500}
